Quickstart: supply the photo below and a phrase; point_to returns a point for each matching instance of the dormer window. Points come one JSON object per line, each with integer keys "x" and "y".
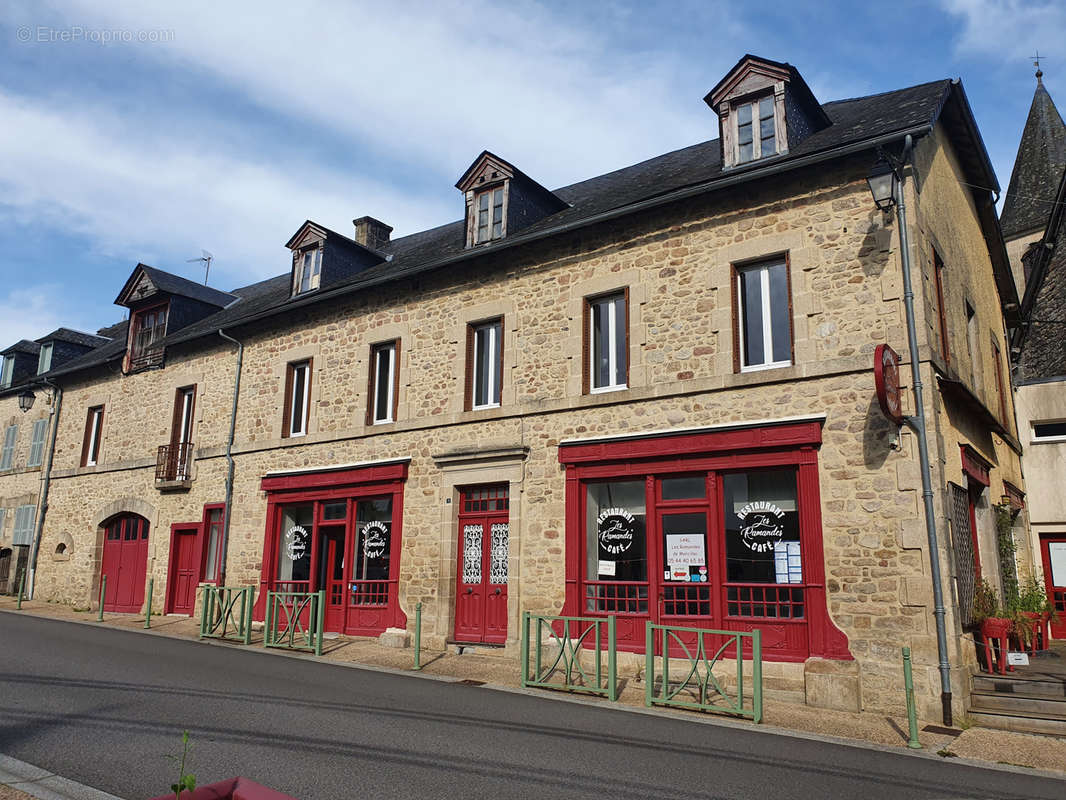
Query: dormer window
{"x": 490, "y": 215}
{"x": 44, "y": 362}
{"x": 308, "y": 271}
{"x": 7, "y": 372}
{"x": 148, "y": 327}
{"x": 756, "y": 131}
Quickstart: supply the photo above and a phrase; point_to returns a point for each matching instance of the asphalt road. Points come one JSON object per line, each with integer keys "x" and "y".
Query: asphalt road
{"x": 105, "y": 707}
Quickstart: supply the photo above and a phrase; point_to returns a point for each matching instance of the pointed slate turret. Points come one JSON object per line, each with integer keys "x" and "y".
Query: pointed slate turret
{"x": 1037, "y": 168}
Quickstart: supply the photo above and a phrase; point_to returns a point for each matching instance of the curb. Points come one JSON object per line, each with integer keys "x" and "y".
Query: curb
{"x": 44, "y": 785}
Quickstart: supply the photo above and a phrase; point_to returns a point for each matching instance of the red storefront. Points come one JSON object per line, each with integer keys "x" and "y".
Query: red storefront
{"x": 338, "y": 530}
{"x": 715, "y": 528}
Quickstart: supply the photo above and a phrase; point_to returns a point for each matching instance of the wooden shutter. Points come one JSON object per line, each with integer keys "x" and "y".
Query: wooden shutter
{"x": 468, "y": 380}
{"x": 996, "y": 359}
{"x": 175, "y": 418}
{"x": 395, "y": 379}
{"x": 941, "y": 311}
{"x": 286, "y": 405}
{"x": 307, "y": 392}
{"x": 87, "y": 437}
{"x": 99, "y": 434}
{"x": 735, "y": 300}
{"x": 371, "y": 373}
{"x": 586, "y": 359}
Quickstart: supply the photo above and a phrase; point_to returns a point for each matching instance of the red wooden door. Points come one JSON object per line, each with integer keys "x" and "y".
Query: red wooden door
{"x": 481, "y": 586}
{"x": 185, "y": 574}
{"x": 124, "y": 563}
{"x": 331, "y": 575}
{"x": 1053, "y": 547}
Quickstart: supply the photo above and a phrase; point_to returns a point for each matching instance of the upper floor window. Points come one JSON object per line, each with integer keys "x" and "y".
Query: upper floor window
{"x": 756, "y": 130}
{"x": 40, "y": 428}
{"x": 7, "y": 372}
{"x": 384, "y": 386}
{"x": 489, "y": 208}
{"x": 297, "y": 398}
{"x": 484, "y": 364}
{"x": 762, "y": 305}
{"x": 606, "y": 347}
{"x": 1000, "y": 393}
{"x": 44, "y": 361}
{"x": 1049, "y": 431}
{"x": 149, "y": 326}
{"x": 94, "y": 430}
{"x": 941, "y": 309}
{"x": 7, "y": 455}
{"x": 308, "y": 271}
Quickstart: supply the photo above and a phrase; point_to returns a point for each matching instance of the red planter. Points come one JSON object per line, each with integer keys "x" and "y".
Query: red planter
{"x": 994, "y": 632}
{"x": 231, "y": 789}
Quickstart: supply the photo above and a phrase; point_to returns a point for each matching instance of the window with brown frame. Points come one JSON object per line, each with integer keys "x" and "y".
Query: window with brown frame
{"x": 94, "y": 429}
{"x": 756, "y": 129}
{"x": 297, "y": 404}
{"x": 384, "y": 387}
{"x": 214, "y": 515}
{"x": 1000, "y": 393}
{"x": 488, "y": 206}
{"x": 605, "y": 343}
{"x": 177, "y": 456}
{"x": 762, "y": 314}
{"x": 941, "y": 309}
{"x": 147, "y": 327}
{"x": 484, "y": 364}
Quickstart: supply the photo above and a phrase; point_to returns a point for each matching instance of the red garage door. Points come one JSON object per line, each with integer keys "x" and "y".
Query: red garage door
{"x": 125, "y": 558}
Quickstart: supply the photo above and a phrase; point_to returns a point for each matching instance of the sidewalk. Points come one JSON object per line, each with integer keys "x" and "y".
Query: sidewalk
{"x": 491, "y": 667}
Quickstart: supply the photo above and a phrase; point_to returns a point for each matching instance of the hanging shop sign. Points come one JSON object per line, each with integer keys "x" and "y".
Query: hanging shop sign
{"x": 375, "y": 539}
{"x": 886, "y": 381}
{"x": 616, "y": 528}
{"x": 296, "y": 542}
{"x": 763, "y": 526}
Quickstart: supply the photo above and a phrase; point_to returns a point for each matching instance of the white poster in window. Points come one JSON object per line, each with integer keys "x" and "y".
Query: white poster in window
{"x": 606, "y": 568}
{"x": 787, "y": 562}
{"x": 684, "y": 550}
{"x": 1057, "y": 552}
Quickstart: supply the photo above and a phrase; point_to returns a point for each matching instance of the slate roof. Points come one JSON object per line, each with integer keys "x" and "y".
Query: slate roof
{"x": 1037, "y": 167}
{"x": 23, "y": 346}
{"x": 175, "y": 284}
{"x": 74, "y": 337}
{"x": 857, "y": 124}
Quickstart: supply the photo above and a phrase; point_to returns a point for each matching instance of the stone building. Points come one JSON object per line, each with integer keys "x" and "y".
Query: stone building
{"x": 648, "y": 394}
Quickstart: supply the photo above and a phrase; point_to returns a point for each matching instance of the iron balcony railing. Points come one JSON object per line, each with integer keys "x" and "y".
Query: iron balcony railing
{"x": 173, "y": 462}
{"x": 145, "y": 357}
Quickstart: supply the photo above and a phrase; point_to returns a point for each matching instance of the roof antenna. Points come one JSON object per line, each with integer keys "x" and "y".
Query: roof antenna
{"x": 206, "y": 257}
{"x": 1036, "y": 63}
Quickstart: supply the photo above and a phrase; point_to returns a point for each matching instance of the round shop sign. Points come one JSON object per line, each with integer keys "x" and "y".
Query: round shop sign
{"x": 375, "y": 539}
{"x": 296, "y": 543}
{"x": 763, "y": 527}
{"x": 616, "y": 528}
{"x": 886, "y": 382}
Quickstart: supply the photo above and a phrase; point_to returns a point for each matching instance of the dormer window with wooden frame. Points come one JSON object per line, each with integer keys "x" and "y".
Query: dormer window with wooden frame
{"x": 44, "y": 360}
{"x": 148, "y": 326}
{"x": 7, "y": 372}
{"x": 490, "y": 218}
{"x": 307, "y": 271}
{"x": 756, "y": 129}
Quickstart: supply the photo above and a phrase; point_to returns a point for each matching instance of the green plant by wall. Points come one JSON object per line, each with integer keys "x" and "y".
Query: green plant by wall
{"x": 985, "y": 602}
{"x": 1006, "y": 548}
{"x": 185, "y": 782}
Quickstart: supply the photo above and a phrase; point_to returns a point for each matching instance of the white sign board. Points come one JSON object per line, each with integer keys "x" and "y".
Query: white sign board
{"x": 1018, "y": 659}
{"x": 607, "y": 568}
{"x": 685, "y": 550}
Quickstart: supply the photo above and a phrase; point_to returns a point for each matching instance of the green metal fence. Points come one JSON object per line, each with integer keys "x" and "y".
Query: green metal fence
{"x": 557, "y": 651}
{"x": 227, "y": 613}
{"x": 294, "y": 620}
{"x": 697, "y": 686}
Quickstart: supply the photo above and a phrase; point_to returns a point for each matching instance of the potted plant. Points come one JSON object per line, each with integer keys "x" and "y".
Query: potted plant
{"x": 1034, "y": 607}
{"x": 995, "y": 623}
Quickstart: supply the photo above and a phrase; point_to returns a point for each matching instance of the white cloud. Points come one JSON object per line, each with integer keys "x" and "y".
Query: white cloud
{"x": 31, "y": 312}
{"x": 1008, "y": 30}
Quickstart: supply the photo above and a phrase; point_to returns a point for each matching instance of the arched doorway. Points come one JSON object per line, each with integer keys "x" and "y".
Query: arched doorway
{"x": 125, "y": 561}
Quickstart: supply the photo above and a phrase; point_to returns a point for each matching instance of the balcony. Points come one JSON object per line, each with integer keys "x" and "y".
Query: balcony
{"x": 173, "y": 466}
{"x": 146, "y": 358}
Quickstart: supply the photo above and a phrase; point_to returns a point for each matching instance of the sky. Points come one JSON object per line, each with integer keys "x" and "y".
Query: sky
{"x": 146, "y": 132}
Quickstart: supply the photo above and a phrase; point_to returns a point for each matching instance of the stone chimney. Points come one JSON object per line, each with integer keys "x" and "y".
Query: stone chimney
{"x": 372, "y": 233}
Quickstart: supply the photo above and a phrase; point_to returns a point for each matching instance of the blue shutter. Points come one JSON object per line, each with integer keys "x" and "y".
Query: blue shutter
{"x": 8, "y": 453}
{"x": 37, "y": 443}
{"x": 24, "y": 519}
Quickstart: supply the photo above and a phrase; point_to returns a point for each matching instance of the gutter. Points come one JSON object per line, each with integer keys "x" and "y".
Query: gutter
{"x": 46, "y": 482}
{"x": 229, "y": 458}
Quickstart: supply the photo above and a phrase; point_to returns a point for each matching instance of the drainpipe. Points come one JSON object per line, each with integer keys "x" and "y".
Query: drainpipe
{"x": 917, "y": 422}
{"x": 229, "y": 458}
{"x": 46, "y": 481}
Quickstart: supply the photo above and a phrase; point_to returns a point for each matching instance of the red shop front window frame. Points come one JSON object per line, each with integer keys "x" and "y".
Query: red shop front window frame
{"x": 374, "y": 614}
{"x": 712, "y": 453}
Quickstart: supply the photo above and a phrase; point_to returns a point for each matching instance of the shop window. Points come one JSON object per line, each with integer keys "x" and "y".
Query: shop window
{"x": 294, "y": 547}
{"x": 384, "y": 386}
{"x": 606, "y": 342}
{"x": 335, "y": 511}
{"x": 616, "y": 547}
{"x": 297, "y": 399}
{"x": 692, "y": 487}
{"x": 762, "y": 307}
{"x": 370, "y": 566}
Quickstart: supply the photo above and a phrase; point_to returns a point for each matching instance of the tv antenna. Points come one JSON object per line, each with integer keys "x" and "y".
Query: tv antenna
{"x": 206, "y": 258}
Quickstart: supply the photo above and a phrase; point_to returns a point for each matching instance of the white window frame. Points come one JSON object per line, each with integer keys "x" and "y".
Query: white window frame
{"x": 188, "y": 397}
{"x": 488, "y": 370}
{"x": 767, "y": 316}
{"x": 1038, "y": 439}
{"x": 44, "y": 360}
{"x": 756, "y": 141}
{"x": 305, "y": 367}
{"x": 389, "y": 349}
{"x": 615, "y": 327}
{"x": 7, "y": 454}
{"x": 314, "y": 278}
{"x": 95, "y": 418}
{"x": 23, "y": 533}
{"x": 7, "y": 371}
{"x": 40, "y": 429}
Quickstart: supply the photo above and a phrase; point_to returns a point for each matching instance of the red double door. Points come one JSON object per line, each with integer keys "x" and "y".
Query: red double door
{"x": 124, "y": 563}
{"x": 484, "y": 549}
{"x": 1053, "y": 550}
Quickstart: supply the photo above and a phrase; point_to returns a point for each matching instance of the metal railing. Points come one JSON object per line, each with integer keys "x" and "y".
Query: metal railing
{"x": 172, "y": 462}
{"x": 294, "y": 620}
{"x": 555, "y": 651}
{"x": 227, "y": 613}
{"x": 698, "y": 686}
{"x": 144, "y": 356}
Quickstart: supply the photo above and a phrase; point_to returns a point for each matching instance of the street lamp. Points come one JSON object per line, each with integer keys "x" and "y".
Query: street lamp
{"x": 883, "y": 180}
{"x": 26, "y": 398}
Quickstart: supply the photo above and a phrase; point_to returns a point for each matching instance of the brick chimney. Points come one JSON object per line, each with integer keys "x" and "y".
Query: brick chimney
{"x": 372, "y": 233}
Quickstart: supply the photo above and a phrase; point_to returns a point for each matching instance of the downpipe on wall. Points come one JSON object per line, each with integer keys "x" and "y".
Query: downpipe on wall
{"x": 229, "y": 459}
